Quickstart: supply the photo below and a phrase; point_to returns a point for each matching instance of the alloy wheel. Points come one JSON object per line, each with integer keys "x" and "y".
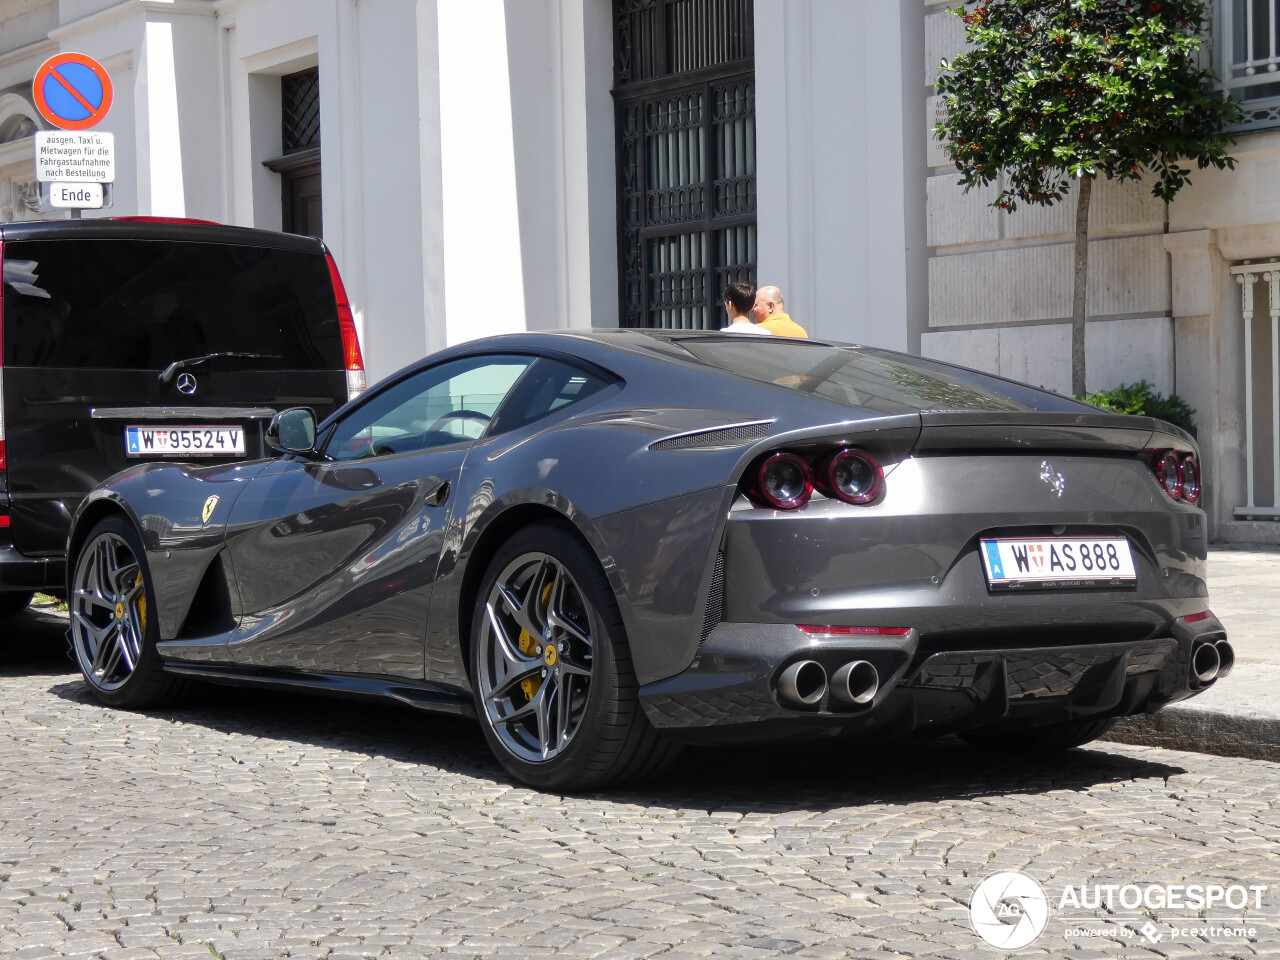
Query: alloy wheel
{"x": 108, "y": 611}
{"x": 535, "y": 657}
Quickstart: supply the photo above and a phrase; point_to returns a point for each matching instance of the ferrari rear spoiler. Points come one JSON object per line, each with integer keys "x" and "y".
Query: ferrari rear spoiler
{"x": 943, "y": 431}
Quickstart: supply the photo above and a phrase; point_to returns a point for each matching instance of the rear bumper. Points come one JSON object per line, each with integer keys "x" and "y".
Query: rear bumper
{"x": 21, "y": 573}
{"x": 730, "y": 691}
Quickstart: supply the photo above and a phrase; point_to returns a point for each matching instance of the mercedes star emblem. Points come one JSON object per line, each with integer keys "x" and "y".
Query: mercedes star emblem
{"x": 186, "y": 383}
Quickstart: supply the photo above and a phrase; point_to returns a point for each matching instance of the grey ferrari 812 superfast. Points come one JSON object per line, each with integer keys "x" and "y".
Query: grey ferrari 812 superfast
{"x": 602, "y": 544}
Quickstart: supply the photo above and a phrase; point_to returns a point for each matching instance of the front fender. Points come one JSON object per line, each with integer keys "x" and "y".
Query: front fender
{"x": 166, "y": 504}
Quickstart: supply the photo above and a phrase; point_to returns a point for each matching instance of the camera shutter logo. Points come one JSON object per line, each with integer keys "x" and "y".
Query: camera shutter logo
{"x": 186, "y": 383}
{"x": 1008, "y": 910}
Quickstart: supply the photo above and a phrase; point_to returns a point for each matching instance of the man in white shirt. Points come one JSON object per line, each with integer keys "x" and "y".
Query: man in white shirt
{"x": 739, "y": 298}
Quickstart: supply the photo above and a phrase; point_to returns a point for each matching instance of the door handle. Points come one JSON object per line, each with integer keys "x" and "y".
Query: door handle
{"x": 437, "y": 494}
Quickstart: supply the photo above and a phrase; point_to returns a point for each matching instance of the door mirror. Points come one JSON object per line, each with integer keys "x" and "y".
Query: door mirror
{"x": 293, "y": 431}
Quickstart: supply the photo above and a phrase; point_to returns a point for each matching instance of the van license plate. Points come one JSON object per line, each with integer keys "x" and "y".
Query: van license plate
{"x": 184, "y": 441}
{"x": 1058, "y": 562}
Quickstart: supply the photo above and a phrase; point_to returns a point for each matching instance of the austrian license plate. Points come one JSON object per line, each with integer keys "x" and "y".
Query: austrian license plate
{"x": 184, "y": 441}
{"x": 1058, "y": 562}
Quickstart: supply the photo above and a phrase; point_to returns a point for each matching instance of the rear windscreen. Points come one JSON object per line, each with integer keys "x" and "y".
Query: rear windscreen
{"x": 869, "y": 379}
{"x": 142, "y": 304}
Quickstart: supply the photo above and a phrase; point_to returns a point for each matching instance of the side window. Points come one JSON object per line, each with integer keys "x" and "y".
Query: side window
{"x": 550, "y": 385}
{"x": 449, "y": 403}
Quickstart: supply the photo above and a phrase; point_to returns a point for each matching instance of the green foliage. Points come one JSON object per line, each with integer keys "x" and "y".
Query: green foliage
{"x": 1055, "y": 89}
{"x": 1141, "y": 399}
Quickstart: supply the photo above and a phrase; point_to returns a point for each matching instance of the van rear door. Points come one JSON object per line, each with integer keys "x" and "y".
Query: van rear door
{"x": 119, "y": 350}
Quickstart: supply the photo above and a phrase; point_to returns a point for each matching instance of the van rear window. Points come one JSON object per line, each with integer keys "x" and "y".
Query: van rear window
{"x": 142, "y": 304}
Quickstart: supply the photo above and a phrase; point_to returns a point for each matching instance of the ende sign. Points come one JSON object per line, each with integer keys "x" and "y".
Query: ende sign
{"x": 75, "y": 196}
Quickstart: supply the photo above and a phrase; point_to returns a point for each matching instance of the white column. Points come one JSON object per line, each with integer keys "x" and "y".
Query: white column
{"x": 1273, "y": 284}
{"x": 836, "y": 229}
{"x": 483, "y": 269}
{"x": 1246, "y": 281}
{"x": 165, "y": 196}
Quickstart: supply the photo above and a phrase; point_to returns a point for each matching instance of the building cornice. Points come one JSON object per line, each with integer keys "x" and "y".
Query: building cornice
{"x": 120, "y": 11}
{"x": 41, "y": 49}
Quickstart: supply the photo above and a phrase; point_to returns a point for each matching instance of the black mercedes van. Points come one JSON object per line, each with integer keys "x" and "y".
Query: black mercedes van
{"x": 149, "y": 339}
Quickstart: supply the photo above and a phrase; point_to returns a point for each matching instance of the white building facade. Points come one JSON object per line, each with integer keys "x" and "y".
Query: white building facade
{"x": 1184, "y": 295}
{"x": 485, "y": 166}
{"x": 467, "y": 150}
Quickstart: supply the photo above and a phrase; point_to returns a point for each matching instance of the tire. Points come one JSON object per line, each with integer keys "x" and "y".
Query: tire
{"x": 563, "y": 715}
{"x": 12, "y": 604}
{"x": 1051, "y": 738}
{"x": 113, "y": 625}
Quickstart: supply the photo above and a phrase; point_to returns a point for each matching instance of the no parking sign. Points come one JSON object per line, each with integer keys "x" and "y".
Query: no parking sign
{"x": 73, "y": 164}
{"x": 72, "y": 91}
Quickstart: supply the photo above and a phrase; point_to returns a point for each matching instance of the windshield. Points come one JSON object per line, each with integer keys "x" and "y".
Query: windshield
{"x": 874, "y": 380}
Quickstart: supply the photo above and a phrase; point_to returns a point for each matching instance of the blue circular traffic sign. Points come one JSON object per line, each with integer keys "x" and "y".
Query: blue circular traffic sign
{"x": 72, "y": 91}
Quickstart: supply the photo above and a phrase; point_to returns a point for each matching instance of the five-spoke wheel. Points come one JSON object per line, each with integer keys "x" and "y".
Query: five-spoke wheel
{"x": 554, "y": 686}
{"x": 112, "y": 624}
{"x": 535, "y": 666}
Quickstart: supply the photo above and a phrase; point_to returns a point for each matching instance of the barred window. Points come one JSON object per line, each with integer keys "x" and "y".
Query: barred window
{"x": 300, "y": 110}
{"x": 685, "y": 105}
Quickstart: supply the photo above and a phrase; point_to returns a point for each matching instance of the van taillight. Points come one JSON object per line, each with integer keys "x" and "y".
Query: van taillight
{"x": 350, "y": 341}
{"x": 3, "y": 464}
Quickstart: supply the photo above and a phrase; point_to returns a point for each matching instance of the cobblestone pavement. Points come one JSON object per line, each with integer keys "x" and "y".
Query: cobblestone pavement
{"x": 262, "y": 826}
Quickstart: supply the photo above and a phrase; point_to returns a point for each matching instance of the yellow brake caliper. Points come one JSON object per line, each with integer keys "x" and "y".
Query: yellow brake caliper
{"x": 142, "y": 606}
{"x": 529, "y": 646}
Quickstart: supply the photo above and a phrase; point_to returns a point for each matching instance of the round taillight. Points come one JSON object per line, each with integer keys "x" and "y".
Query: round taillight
{"x": 783, "y": 481}
{"x": 851, "y": 475}
{"x": 1189, "y": 474}
{"x": 1169, "y": 474}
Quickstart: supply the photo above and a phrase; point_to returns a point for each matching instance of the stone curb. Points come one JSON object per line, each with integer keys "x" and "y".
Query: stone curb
{"x": 1202, "y": 731}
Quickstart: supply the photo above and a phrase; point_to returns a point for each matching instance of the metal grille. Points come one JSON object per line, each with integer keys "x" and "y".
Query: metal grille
{"x": 662, "y": 38}
{"x": 715, "y": 599}
{"x": 720, "y": 437}
{"x": 300, "y": 110}
{"x": 685, "y": 101}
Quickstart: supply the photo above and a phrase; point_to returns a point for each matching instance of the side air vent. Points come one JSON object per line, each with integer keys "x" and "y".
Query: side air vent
{"x": 715, "y": 599}
{"x": 738, "y": 435}
{"x": 210, "y": 610}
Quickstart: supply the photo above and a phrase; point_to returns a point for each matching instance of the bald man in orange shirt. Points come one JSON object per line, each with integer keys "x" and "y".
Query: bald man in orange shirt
{"x": 770, "y": 312}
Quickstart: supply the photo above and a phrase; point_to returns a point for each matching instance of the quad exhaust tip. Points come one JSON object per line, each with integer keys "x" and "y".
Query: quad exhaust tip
{"x": 855, "y": 683}
{"x": 1206, "y": 662}
{"x": 804, "y": 682}
{"x": 1226, "y": 658}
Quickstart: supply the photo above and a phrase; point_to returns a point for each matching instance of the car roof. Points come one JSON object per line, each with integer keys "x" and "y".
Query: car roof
{"x": 143, "y": 228}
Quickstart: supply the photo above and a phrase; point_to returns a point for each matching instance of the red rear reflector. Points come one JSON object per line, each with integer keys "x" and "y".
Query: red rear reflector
{"x": 815, "y": 630}
{"x": 4, "y": 519}
{"x": 346, "y": 320}
{"x": 1197, "y": 617}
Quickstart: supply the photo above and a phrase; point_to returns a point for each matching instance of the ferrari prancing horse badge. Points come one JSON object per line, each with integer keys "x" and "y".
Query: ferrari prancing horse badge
{"x": 208, "y": 507}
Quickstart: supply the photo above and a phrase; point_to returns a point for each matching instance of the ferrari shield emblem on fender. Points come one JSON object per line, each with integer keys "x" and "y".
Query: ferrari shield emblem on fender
{"x": 208, "y": 507}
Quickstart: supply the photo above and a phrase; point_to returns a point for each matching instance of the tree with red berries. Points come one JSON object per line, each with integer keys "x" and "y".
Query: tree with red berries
{"x": 1056, "y": 90}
